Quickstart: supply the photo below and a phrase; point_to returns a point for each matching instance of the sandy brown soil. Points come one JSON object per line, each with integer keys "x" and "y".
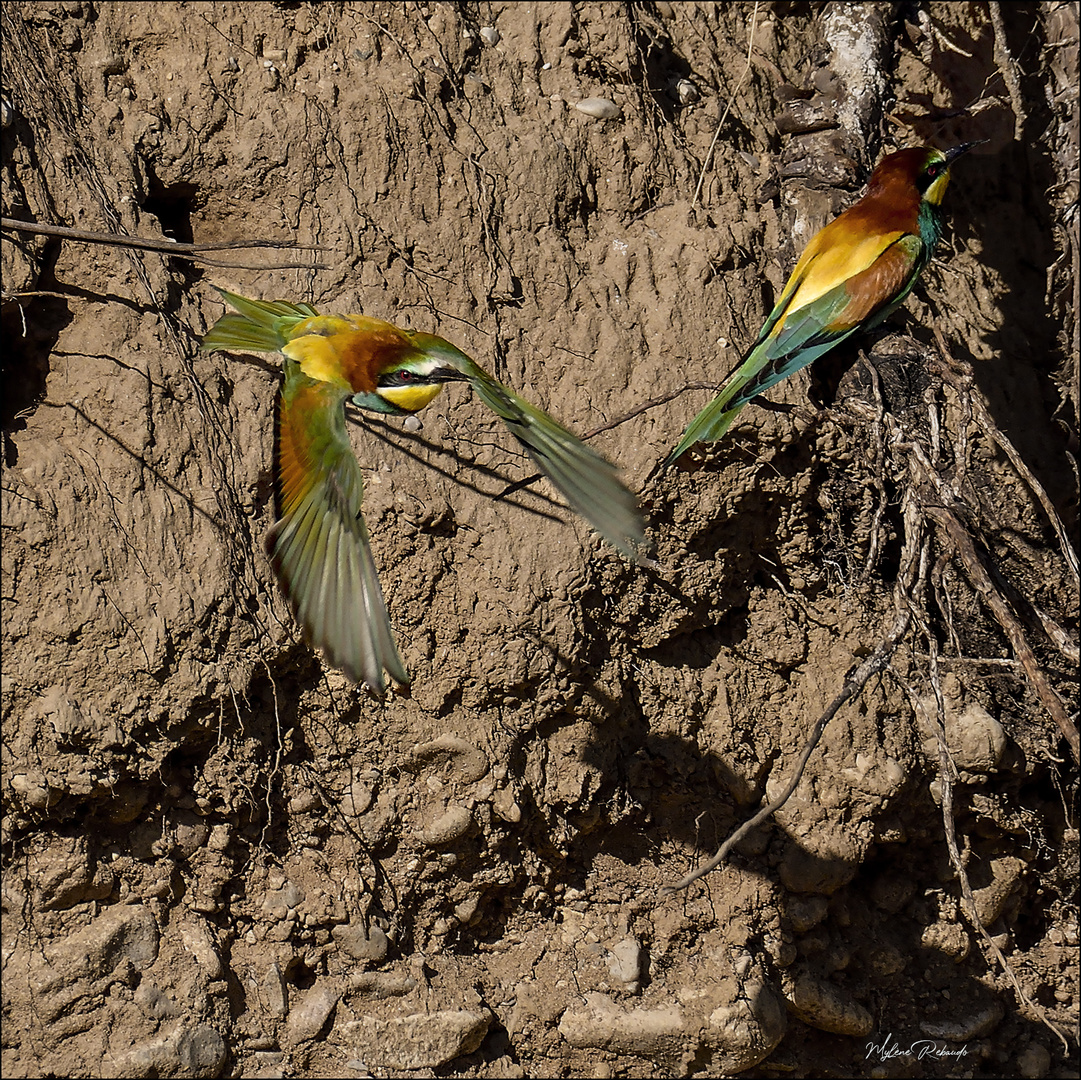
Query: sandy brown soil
{"x": 223, "y": 859}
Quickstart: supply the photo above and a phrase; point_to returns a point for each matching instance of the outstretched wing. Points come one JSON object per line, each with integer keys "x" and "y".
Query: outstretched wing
{"x": 319, "y": 545}
{"x": 589, "y": 483}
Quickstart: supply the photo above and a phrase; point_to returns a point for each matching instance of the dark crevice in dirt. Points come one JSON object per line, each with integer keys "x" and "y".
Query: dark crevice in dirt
{"x": 31, "y": 327}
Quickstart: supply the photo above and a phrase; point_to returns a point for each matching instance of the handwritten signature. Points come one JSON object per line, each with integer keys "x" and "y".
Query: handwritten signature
{"x": 889, "y": 1048}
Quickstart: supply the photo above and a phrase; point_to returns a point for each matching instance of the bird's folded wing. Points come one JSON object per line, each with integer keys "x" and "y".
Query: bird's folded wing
{"x": 853, "y": 304}
{"x": 794, "y": 337}
{"x": 320, "y": 546}
{"x": 589, "y": 483}
{"x": 833, "y": 257}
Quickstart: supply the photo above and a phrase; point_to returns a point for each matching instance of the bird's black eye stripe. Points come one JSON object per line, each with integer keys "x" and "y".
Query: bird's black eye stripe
{"x": 929, "y": 175}
{"x": 397, "y": 378}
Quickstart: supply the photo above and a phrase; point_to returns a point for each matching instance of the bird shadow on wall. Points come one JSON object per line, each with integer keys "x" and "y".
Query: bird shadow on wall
{"x": 411, "y": 444}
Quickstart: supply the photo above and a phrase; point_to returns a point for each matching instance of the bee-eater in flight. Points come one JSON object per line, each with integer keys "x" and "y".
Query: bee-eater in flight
{"x": 853, "y": 274}
{"x": 319, "y": 544}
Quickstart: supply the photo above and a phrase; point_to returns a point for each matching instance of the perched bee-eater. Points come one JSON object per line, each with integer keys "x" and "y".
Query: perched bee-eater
{"x": 319, "y": 544}
{"x": 853, "y": 274}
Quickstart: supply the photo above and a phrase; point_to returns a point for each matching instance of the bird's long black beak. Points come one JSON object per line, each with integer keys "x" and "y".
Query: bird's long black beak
{"x": 957, "y": 151}
{"x": 448, "y": 374}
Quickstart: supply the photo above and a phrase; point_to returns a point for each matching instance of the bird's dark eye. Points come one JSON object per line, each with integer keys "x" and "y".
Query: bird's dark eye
{"x": 934, "y": 170}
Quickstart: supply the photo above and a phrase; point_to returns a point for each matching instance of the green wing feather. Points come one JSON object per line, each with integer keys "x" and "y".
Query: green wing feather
{"x": 261, "y": 326}
{"x": 319, "y": 546}
{"x": 589, "y": 483}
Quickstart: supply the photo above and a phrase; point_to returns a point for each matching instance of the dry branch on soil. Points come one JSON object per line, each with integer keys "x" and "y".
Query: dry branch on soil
{"x": 173, "y": 248}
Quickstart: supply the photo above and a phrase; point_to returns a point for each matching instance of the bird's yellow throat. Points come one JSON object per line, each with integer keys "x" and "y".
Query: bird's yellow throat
{"x": 410, "y": 398}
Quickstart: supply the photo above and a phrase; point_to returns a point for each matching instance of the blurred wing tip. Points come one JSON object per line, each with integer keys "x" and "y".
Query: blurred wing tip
{"x": 369, "y": 670}
{"x": 370, "y": 673}
{"x": 649, "y": 562}
{"x": 627, "y": 536}
{"x": 377, "y": 687}
{"x": 399, "y": 677}
{"x": 641, "y": 551}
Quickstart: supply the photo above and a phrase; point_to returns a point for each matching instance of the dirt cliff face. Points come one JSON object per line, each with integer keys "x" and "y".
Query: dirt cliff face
{"x": 222, "y": 858}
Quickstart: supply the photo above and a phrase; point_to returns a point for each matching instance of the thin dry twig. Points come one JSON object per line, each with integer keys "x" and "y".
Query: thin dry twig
{"x": 1005, "y": 63}
{"x": 652, "y": 403}
{"x": 879, "y": 443}
{"x": 32, "y": 294}
{"x": 191, "y": 252}
{"x": 855, "y": 681}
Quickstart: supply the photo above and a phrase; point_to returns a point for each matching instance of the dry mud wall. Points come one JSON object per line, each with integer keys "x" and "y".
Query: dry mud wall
{"x": 221, "y": 858}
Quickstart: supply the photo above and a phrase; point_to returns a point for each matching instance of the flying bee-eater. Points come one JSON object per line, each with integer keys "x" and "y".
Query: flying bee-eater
{"x": 853, "y": 274}
{"x": 319, "y": 544}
